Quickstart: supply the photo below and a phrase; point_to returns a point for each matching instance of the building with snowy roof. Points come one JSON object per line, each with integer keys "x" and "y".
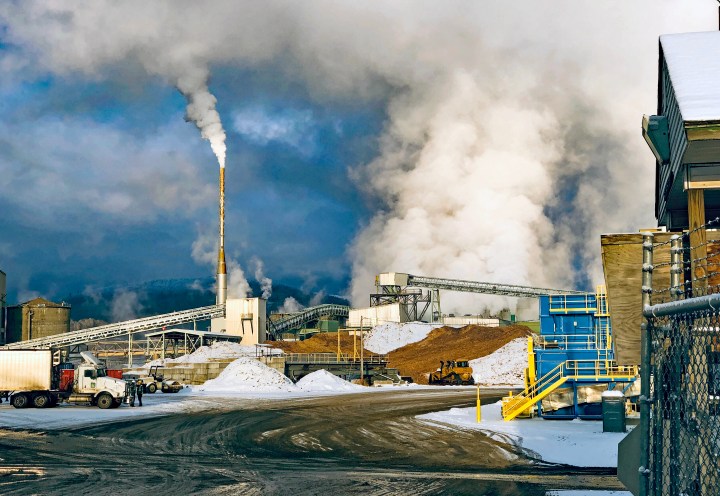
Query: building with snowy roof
{"x": 685, "y": 134}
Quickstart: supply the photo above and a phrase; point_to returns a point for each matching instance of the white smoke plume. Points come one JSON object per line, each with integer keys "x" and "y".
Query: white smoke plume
{"x": 238, "y": 287}
{"x": 317, "y": 298}
{"x": 265, "y": 282}
{"x": 511, "y": 140}
{"x": 125, "y": 305}
{"x": 290, "y": 305}
{"x": 204, "y": 252}
{"x": 201, "y": 111}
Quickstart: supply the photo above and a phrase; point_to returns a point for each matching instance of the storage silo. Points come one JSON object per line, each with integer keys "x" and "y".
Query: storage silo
{"x": 37, "y": 318}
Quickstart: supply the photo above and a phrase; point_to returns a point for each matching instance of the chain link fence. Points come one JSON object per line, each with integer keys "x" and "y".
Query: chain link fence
{"x": 680, "y": 401}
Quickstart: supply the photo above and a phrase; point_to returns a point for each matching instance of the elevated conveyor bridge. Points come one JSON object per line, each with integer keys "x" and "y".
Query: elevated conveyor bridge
{"x": 399, "y": 280}
{"x": 295, "y": 320}
{"x": 121, "y": 328}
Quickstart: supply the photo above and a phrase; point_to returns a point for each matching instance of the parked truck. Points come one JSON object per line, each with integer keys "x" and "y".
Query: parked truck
{"x": 32, "y": 378}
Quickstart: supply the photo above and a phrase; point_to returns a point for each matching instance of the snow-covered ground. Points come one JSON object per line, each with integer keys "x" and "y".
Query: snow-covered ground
{"x": 580, "y": 443}
{"x": 585, "y": 492}
{"x": 504, "y": 367}
{"x": 385, "y": 338}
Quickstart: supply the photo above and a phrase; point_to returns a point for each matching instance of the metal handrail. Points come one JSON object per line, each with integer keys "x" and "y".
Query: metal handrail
{"x": 599, "y": 369}
{"x": 332, "y": 358}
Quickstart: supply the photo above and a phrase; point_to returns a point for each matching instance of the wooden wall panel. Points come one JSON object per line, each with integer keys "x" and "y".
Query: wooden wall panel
{"x": 622, "y": 265}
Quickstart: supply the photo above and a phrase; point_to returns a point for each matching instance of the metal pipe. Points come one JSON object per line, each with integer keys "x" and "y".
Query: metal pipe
{"x": 699, "y": 304}
{"x": 221, "y": 268}
{"x": 647, "y": 270}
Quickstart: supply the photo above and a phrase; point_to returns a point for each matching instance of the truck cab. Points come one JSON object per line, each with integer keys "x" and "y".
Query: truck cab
{"x": 94, "y": 385}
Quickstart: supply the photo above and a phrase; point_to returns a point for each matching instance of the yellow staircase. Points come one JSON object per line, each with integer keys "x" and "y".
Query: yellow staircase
{"x": 514, "y": 406}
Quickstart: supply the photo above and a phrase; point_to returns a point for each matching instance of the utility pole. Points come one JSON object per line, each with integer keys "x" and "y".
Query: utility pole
{"x": 362, "y": 352}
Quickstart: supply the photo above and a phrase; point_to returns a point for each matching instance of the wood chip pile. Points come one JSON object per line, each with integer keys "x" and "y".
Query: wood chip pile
{"x": 417, "y": 360}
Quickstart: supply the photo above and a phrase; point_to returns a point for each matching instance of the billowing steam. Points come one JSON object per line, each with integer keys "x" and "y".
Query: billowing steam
{"x": 204, "y": 252}
{"x": 125, "y": 305}
{"x": 265, "y": 282}
{"x": 511, "y": 140}
{"x": 290, "y": 305}
{"x": 201, "y": 111}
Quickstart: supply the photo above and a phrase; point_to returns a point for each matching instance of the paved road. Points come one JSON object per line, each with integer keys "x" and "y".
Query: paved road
{"x": 368, "y": 444}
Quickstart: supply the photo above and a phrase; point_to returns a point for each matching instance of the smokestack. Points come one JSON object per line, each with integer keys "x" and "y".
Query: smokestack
{"x": 221, "y": 269}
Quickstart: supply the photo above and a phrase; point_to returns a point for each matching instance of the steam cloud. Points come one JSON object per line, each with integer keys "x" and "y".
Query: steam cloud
{"x": 265, "y": 282}
{"x": 204, "y": 252}
{"x": 290, "y": 305}
{"x": 201, "y": 111}
{"x": 511, "y": 139}
{"x": 125, "y": 305}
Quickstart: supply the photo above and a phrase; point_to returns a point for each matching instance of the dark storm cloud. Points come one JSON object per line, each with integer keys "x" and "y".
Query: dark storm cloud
{"x": 460, "y": 164}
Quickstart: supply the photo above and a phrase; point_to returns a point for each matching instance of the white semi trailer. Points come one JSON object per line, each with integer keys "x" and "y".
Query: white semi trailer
{"x": 30, "y": 378}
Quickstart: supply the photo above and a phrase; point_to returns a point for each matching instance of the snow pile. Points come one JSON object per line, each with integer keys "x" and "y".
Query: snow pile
{"x": 322, "y": 380}
{"x": 248, "y": 375}
{"x": 505, "y": 367}
{"x": 579, "y": 443}
{"x": 217, "y": 351}
{"x": 385, "y": 338}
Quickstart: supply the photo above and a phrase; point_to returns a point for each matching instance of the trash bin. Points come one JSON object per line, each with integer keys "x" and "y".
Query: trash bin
{"x": 613, "y": 411}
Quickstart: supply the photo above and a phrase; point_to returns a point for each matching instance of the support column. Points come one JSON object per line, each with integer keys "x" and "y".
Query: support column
{"x": 698, "y": 240}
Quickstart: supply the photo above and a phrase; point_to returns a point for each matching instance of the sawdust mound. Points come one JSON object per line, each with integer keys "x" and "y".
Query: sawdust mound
{"x": 417, "y": 360}
{"x": 326, "y": 342}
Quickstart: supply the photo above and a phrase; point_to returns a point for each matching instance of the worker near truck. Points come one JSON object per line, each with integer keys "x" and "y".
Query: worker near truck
{"x": 139, "y": 387}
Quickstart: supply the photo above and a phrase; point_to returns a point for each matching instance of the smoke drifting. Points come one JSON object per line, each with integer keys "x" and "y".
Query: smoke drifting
{"x": 125, "y": 305}
{"x": 265, "y": 282}
{"x": 290, "y": 305}
{"x": 201, "y": 112}
{"x": 511, "y": 140}
{"x": 204, "y": 252}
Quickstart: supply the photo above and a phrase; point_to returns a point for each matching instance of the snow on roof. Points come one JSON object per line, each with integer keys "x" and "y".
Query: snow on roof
{"x": 693, "y": 61}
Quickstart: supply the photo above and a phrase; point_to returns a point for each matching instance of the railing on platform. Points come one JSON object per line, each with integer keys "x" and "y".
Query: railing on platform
{"x": 564, "y": 371}
{"x": 319, "y": 358}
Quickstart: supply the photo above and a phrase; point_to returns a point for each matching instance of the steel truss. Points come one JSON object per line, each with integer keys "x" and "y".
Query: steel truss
{"x": 122, "y": 328}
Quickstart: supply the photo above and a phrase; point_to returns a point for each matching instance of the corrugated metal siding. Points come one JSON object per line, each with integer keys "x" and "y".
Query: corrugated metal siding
{"x": 372, "y": 316}
{"x": 678, "y": 142}
{"x": 25, "y": 370}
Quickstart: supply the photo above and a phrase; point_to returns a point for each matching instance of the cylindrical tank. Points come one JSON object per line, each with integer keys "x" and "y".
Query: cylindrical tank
{"x": 37, "y": 318}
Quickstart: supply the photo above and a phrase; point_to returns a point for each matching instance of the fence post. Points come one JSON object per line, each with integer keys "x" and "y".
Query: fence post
{"x": 647, "y": 270}
{"x": 676, "y": 269}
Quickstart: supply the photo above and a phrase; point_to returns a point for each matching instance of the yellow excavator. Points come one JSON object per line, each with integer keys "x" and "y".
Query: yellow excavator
{"x": 455, "y": 372}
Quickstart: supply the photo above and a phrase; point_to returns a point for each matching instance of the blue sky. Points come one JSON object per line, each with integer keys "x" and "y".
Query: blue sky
{"x": 288, "y": 196}
{"x": 468, "y": 140}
